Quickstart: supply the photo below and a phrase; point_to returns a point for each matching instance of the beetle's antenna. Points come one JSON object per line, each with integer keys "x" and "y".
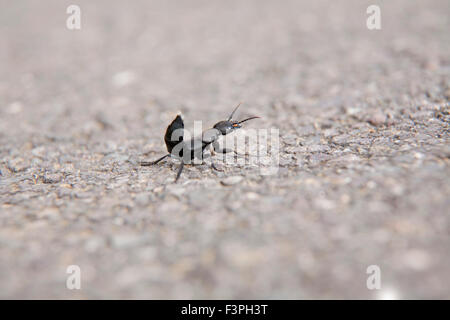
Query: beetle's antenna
{"x": 248, "y": 119}
{"x": 232, "y": 114}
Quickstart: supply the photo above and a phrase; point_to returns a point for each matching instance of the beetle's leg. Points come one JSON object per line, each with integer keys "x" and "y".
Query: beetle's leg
{"x": 214, "y": 167}
{"x": 216, "y": 148}
{"x": 212, "y": 161}
{"x": 180, "y": 169}
{"x": 150, "y": 163}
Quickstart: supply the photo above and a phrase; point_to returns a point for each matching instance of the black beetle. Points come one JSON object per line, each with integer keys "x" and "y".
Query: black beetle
{"x": 186, "y": 151}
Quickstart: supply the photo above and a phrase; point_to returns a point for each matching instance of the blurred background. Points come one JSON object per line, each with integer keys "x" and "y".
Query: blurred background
{"x": 364, "y": 166}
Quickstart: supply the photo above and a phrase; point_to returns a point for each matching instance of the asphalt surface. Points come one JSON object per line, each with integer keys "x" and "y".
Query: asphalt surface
{"x": 363, "y": 176}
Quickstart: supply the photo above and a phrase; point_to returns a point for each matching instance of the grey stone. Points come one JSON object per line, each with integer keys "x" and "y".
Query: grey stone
{"x": 229, "y": 181}
{"x": 52, "y": 178}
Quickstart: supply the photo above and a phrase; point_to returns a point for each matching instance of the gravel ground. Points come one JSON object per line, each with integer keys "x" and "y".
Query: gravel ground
{"x": 363, "y": 178}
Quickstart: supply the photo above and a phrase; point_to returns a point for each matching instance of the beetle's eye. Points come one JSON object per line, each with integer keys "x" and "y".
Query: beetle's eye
{"x": 235, "y": 125}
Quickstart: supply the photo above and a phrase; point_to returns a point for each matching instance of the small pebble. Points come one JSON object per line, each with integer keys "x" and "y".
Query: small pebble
{"x": 51, "y": 178}
{"x": 231, "y": 180}
{"x": 377, "y": 119}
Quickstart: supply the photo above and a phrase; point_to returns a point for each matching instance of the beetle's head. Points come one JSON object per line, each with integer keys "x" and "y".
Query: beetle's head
{"x": 227, "y": 126}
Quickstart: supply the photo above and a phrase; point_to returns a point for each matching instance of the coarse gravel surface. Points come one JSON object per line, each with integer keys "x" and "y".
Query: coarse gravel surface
{"x": 363, "y": 176}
